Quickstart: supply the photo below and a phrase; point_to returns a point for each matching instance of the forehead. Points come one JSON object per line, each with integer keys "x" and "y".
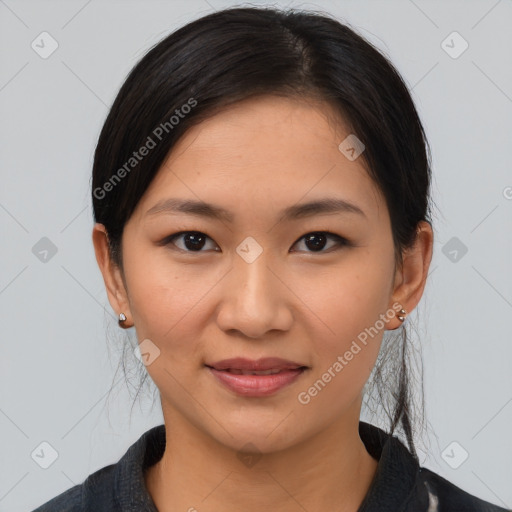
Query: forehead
{"x": 252, "y": 124}
{"x": 264, "y": 151}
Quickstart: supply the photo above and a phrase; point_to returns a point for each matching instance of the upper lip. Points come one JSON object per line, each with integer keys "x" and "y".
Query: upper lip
{"x": 265, "y": 363}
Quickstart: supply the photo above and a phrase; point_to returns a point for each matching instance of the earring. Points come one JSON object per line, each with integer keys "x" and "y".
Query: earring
{"x": 402, "y": 315}
{"x": 122, "y": 318}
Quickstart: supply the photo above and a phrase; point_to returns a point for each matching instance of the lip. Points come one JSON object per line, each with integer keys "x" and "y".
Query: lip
{"x": 265, "y": 363}
{"x": 256, "y": 385}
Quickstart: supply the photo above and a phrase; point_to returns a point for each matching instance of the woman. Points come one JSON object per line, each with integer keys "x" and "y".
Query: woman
{"x": 261, "y": 197}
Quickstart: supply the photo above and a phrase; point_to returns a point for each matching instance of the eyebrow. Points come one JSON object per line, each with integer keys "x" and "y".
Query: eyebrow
{"x": 328, "y": 205}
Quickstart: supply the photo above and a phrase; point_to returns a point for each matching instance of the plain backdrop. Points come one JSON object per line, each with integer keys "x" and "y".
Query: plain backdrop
{"x": 59, "y": 345}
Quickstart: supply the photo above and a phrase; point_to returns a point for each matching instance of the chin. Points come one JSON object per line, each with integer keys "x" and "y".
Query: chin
{"x": 258, "y": 436}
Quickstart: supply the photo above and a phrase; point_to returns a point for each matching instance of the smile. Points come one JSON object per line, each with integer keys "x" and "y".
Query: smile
{"x": 256, "y": 383}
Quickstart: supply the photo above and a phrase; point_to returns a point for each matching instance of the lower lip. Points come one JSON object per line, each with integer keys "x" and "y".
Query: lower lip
{"x": 256, "y": 385}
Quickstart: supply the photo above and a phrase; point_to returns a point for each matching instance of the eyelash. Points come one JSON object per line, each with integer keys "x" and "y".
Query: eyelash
{"x": 341, "y": 242}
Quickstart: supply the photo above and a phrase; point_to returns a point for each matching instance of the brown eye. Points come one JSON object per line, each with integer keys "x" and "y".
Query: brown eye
{"x": 316, "y": 241}
{"x": 193, "y": 241}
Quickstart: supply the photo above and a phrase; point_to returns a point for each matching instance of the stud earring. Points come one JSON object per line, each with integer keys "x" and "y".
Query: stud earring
{"x": 402, "y": 315}
{"x": 122, "y": 318}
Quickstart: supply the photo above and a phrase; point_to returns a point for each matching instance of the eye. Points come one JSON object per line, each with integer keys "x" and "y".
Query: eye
{"x": 194, "y": 241}
{"x": 316, "y": 240}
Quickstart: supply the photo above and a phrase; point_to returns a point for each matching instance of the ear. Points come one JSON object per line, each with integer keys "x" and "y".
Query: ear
{"x": 112, "y": 274}
{"x": 411, "y": 277}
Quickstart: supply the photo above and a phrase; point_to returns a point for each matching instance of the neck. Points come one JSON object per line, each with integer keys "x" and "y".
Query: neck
{"x": 331, "y": 470}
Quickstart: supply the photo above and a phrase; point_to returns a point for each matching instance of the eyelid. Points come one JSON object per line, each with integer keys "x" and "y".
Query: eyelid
{"x": 170, "y": 238}
{"x": 341, "y": 241}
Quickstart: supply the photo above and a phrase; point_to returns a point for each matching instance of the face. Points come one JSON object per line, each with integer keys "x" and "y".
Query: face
{"x": 257, "y": 283}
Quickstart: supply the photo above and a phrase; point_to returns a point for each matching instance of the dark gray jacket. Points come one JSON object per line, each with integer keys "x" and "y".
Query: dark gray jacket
{"x": 399, "y": 485}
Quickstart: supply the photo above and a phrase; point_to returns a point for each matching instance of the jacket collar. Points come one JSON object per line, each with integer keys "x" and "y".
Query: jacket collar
{"x": 391, "y": 488}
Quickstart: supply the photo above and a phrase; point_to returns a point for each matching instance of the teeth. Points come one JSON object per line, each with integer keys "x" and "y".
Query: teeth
{"x": 249, "y": 372}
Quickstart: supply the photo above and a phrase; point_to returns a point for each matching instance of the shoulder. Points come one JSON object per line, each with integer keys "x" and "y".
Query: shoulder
{"x": 116, "y": 486}
{"x": 401, "y": 484}
{"x": 95, "y": 493}
{"x": 441, "y": 495}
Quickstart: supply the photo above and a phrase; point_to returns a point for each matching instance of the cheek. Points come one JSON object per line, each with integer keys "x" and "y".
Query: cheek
{"x": 162, "y": 295}
{"x": 345, "y": 356}
{"x": 350, "y": 334}
{"x": 351, "y": 299}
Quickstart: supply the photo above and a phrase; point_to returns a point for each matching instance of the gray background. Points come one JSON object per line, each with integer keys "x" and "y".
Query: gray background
{"x": 57, "y": 364}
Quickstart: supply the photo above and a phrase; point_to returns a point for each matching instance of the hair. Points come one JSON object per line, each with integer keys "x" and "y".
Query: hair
{"x": 239, "y": 53}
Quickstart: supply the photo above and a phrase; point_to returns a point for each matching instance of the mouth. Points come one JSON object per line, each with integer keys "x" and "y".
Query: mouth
{"x": 241, "y": 364}
{"x": 259, "y": 378}
{"x": 272, "y": 371}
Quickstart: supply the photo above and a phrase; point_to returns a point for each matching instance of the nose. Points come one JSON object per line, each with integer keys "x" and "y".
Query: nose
{"x": 255, "y": 298}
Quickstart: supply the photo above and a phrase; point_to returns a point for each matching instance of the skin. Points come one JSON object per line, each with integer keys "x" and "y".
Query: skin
{"x": 293, "y": 301}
